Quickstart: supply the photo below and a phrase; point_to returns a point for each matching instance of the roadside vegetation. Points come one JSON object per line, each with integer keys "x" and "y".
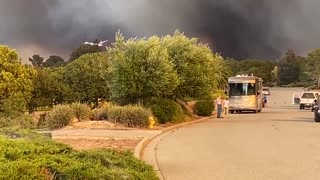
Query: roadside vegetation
{"x": 130, "y": 81}
{"x": 27, "y": 155}
{"x": 127, "y": 83}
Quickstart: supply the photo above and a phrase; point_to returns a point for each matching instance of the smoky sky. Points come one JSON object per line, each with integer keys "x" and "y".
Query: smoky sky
{"x": 240, "y": 29}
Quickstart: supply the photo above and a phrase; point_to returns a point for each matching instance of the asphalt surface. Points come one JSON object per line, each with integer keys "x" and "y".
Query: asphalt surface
{"x": 281, "y": 143}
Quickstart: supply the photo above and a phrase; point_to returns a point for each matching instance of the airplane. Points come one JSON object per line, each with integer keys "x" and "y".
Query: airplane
{"x": 101, "y": 43}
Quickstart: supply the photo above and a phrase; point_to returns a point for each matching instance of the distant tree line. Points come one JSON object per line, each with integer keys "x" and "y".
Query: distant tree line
{"x": 290, "y": 70}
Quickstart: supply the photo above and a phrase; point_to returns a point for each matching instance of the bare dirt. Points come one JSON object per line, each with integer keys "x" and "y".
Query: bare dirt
{"x": 87, "y": 143}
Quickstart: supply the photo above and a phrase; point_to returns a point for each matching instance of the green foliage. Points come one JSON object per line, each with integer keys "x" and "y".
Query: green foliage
{"x": 47, "y": 89}
{"x": 204, "y": 108}
{"x": 15, "y": 82}
{"x": 289, "y": 68}
{"x": 21, "y": 121}
{"x": 81, "y": 111}
{"x": 86, "y": 77}
{"x": 42, "y": 121}
{"x": 218, "y": 93}
{"x": 101, "y": 113}
{"x": 166, "y": 110}
{"x": 130, "y": 115}
{"x": 141, "y": 68}
{"x": 30, "y": 156}
{"x": 59, "y": 117}
{"x": 312, "y": 66}
{"x": 54, "y": 61}
{"x": 259, "y": 68}
{"x": 36, "y": 60}
{"x": 84, "y": 49}
{"x": 200, "y": 71}
{"x": 63, "y": 93}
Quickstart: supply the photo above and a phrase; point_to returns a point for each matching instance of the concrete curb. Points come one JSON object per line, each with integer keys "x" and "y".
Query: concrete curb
{"x": 139, "y": 150}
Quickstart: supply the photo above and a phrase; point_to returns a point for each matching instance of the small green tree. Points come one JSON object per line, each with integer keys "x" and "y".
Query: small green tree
{"x": 15, "y": 82}
{"x": 140, "y": 69}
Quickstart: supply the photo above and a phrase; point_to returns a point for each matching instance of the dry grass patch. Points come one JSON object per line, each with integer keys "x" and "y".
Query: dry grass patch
{"x": 87, "y": 143}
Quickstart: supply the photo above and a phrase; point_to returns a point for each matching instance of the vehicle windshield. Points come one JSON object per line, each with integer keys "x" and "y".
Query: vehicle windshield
{"x": 242, "y": 89}
{"x": 308, "y": 96}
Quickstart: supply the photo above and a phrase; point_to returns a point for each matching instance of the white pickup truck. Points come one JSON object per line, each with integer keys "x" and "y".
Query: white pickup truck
{"x": 307, "y": 99}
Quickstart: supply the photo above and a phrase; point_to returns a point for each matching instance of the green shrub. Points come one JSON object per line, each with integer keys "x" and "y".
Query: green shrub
{"x": 42, "y": 121}
{"x": 32, "y": 156}
{"x": 59, "y": 117}
{"x": 130, "y": 115}
{"x": 101, "y": 113}
{"x": 21, "y": 121}
{"x": 166, "y": 110}
{"x": 204, "y": 108}
{"x": 81, "y": 111}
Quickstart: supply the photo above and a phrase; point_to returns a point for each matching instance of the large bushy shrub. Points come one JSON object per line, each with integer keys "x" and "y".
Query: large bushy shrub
{"x": 204, "y": 108}
{"x": 21, "y": 121}
{"x": 59, "y": 117}
{"x": 81, "y": 111}
{"x": 30, "y": 156}
{"x": 166, "y": 110}
{"x": 140, "y": 68}
{"x": 130, "y": 115}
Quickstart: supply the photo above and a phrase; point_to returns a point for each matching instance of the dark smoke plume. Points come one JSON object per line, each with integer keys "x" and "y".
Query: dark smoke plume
{"x": 236, "y": 28}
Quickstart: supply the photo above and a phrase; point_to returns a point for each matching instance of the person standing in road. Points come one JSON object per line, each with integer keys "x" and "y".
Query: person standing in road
{"x": 219, "y": 106}
{"x": 226, "y": 107}
{"x": 264, "y": 101}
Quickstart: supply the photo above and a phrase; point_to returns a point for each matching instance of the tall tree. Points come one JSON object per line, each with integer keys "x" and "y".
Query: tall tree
{"x": 289, "y": 68}
{"x": 15, "y": 82}
{"x": 312, "y": 66}
{"x": 53, "y": 61}
{"x": 86, "y": 77}
{"x": 36, "y": 60}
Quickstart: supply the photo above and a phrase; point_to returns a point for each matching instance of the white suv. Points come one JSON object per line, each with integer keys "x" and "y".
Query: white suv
{"x": 307, "y": 99}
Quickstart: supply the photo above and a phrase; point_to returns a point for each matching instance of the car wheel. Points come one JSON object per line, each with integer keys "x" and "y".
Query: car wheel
{"x": 301, "y": 106}
{"x": 232, "y": 112}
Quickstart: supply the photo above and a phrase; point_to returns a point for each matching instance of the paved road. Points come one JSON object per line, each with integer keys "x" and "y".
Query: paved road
{"x": 281, "y": 143}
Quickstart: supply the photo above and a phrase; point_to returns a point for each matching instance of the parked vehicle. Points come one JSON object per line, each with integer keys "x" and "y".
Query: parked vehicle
{"x": 317, "y": 111}
{"x": 307, "y": 99}
{"x": 245, "y": 93}
{"x": 266, "y": 91}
